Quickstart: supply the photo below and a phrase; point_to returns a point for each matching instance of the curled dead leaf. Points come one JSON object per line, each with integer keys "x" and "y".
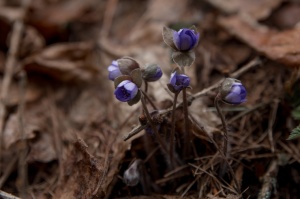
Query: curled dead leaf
{"x": 281, "y": 46}
{"x": 66, "y": 62}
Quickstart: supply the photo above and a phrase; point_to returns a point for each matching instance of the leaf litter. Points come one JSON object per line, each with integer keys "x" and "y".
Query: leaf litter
{"x": 71, "y": 128}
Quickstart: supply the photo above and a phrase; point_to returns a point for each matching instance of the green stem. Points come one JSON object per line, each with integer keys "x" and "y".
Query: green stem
{"x": 172, "y": 136}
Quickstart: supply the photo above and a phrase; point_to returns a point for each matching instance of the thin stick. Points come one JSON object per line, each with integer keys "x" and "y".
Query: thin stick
{"x": 5, "y": 195}
{"x": 22, "y": 169}
{"x": 110, "y": 10}
{"x": 10, "y": 64}
{"x": 271, "y": 123}
{"x": 172, "y": 136}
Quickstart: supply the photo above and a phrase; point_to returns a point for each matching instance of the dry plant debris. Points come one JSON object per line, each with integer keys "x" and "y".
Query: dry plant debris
{"x": 62, "y": 131}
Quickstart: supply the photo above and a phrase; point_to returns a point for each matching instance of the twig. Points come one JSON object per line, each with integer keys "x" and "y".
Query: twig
{"x": 271, "y": 123}
{"x": 22, "y": 170}
{"x": 135, "y": 131}
{"x": 5, "y": 195}
{"x": 110, "y": 9}
{"x": 10, "y": 64}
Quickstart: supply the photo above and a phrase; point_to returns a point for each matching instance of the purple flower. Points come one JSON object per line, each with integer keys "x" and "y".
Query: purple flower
{"x": 179, "y": 81}
{"x": 185, "y": 39}
{"x": 152, "y": 73}
{"x": 236, "y": 95}
{"x": 126, "y": 91}
{"x": 114, "y": 71}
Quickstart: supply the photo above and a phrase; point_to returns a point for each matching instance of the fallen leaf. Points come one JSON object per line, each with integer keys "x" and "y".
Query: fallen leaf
{"x": 281, "y": 46}
{"x": 82, "y": 175}
{"x": 42, "y": 148}
{"x": 12, "y": 134}
{"x": 256, "y": 9}
{"x": 66, "y": 62}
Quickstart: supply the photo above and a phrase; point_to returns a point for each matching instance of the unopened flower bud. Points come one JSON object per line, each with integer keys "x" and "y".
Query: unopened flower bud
{"x": 232, "y": 91}
{"x": 178, "y": 82}
{"x": 152, "y": 73}
{"x": 127, "y": 65}
{"x": 185, "y": 39}
{"x": 114, "y": 71}
{"x": 132, "y": 176}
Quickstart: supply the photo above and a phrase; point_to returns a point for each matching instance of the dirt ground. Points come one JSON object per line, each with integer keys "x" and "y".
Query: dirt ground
{"x": 64, "y": 135}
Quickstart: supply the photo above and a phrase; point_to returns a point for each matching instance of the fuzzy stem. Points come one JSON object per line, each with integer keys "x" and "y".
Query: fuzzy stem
{"x": 186, "y": 124}
{"x": 173, "y": 130}
{"x": 149, "y": 100}
{"x": 225, "y": 137}
{"x": 160, "y": 141}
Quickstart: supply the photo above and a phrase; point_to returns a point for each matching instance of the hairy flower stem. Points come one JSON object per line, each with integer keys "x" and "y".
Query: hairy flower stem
{"x": 172, "y": 136}
{"x": 186, "y": 148}
{"x": 149, "y": 100}
{"x": 225, "y": 137}
{"x": 187, "y": 136}
{"x": 153, "y": 127}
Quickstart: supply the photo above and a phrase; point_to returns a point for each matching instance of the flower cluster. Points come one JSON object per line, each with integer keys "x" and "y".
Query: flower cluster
{"x": 128, "y": 77}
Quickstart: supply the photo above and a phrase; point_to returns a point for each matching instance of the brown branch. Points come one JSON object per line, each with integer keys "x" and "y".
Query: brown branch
{"x": 10, "y": 65}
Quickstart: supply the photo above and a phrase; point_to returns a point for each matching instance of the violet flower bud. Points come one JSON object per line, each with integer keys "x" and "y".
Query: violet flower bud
{"x": 179, "y": 81}
{"x": 152, "y": 73}
{"x": 114, "y": 71}
{"x": 185, "y": 39}
{"x": 126, "y": 91}
{"x": 232, "y": 91}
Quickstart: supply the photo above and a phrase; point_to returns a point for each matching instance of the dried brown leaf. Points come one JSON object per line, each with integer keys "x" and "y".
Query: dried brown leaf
{"x": 12, "y": 134}
{"x": 256, "y": 9}
{"x": 281, "y": 46}
{"x": 42, "y": 149}
{"x": 66, "y": 62}
{"x": 84, "y": 172}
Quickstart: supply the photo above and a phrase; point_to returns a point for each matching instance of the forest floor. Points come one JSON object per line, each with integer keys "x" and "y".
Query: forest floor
{"x": 62, "y": 130}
